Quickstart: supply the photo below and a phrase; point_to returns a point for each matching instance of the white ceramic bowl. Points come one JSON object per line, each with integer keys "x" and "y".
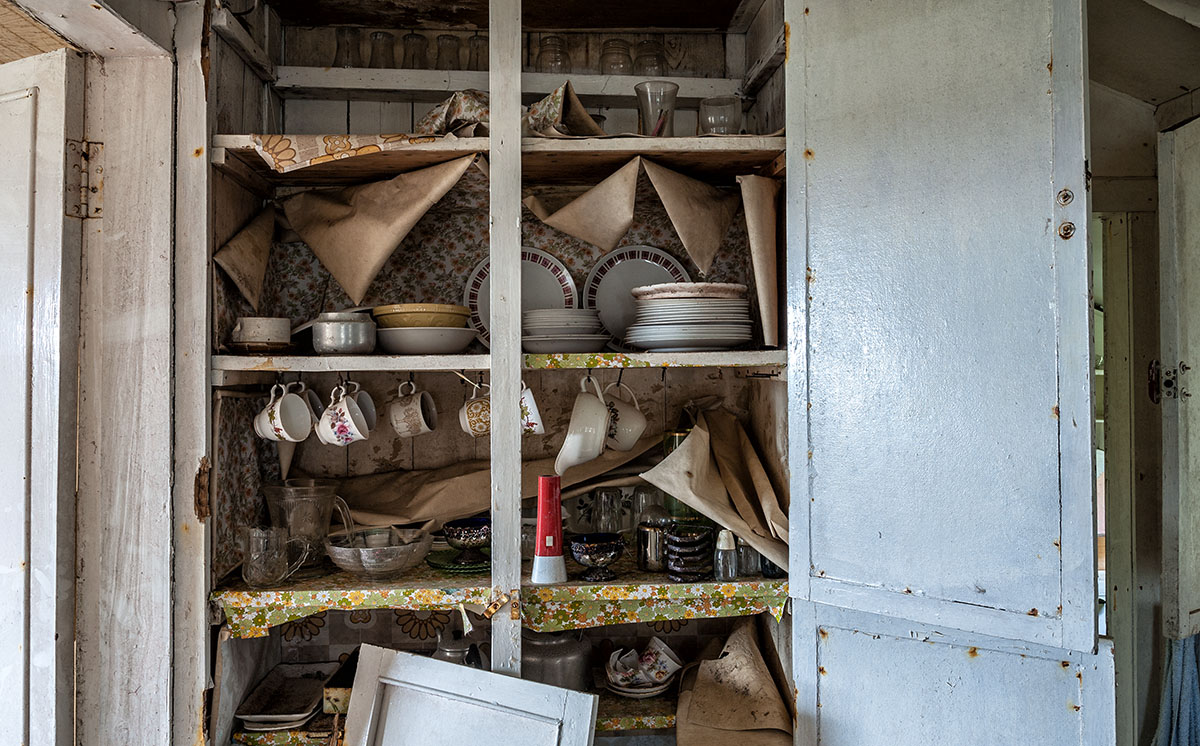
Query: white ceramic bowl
{"x": 425, "y": 340}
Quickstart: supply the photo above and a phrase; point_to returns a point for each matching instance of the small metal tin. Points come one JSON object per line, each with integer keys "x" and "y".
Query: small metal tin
{"x": 650, "y": 556}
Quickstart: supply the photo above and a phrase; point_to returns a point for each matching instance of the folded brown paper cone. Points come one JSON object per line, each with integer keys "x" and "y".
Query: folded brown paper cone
{"x": 691, "y": 475}
{"x": 354, "y": 230}
{"x": 602, "y": 215}
{"x": 244, "y": 257}
{"x": 744, "y": 477}
{"x": 700, "y": 212}
{"x": 758, "y": 197}
{"x": 733, "y": 697}
{"x": 561, "y": 114}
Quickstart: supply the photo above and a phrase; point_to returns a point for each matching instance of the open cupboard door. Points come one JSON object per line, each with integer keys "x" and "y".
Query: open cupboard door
{"x": 1173, "y": 379}
{"x": 403, "y": 699}
{"x": 41, "y": 124}
{"x": 943, "y": 566}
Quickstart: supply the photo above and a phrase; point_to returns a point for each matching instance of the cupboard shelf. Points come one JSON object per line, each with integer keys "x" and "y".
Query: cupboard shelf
{"x": 434, "y": 86}
{"x": 636, "y": 596}
{"x": 252, "y": 612}
{"x": 615, "y": 713}
{"x": 543, "y": 160}
{"x": 404, "y": 363}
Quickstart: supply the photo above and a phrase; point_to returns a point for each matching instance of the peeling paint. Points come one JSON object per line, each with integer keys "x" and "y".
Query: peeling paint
{"x": 821, "y": 670}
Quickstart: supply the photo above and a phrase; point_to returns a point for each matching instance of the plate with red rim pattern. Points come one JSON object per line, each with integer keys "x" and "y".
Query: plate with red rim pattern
{"x": 609, "y": 286}
{"x": 545, "y": 283}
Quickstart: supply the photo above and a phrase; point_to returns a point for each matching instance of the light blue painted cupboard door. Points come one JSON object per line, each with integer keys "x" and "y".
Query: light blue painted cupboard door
{"x": 940, "y": 315}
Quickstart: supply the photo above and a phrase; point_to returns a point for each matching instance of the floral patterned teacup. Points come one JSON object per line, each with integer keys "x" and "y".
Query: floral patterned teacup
{"x": 531, "y": 418}
{"x": 342, "y": 422}
{"x": 286, "y": 417}
{"x": 413, "y": 413}
{"x": 476, "y": 415}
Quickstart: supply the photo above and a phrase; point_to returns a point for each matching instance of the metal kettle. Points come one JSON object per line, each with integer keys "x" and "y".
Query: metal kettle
{"x": 456, "y": 648}
{"x": 557, "y": 658}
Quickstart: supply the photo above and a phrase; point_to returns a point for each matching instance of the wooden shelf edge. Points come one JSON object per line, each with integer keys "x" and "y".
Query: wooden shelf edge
{"x": 347, "y": 363}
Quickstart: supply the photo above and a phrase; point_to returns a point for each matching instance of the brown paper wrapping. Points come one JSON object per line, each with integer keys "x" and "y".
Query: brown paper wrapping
{"x": 459, "y": 490}
{"x": 733, "y": 699}
{"x": 244, "y": 257}
{"x": 354, "y": 230}
{"x": 758, "y": 198}
{"x": 602, "y": 215}
{"x": 560, "y": 114}
{"x": 691, "y": 475}
{"x": 700, "y": 212}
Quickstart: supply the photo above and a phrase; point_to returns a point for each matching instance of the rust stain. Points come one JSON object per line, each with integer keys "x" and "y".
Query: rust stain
{"x": 973, "y": 653}
{"x": 787, "y": 39}
{"x": 808, "y": 154}
{"x": 1054, "y": 411}
{"x": 200, "y": 494}
{"x": 806, "y": 11}
{"x": 198, "y": 152}
{"x": 1079, "y": 676}
{"x": 97, "y": 7}
{"x": 821, "y": 670}
{"x": 267, "y": 364}
{"x": 1072, "y": 707}
{"x": 1066, "y": 664}
{"x": 908, "y": 591}
{"x": 1050, "y": 65}
{"x": 809, "y": 274}
{"x": 1032, "y": 612}
{"x": 821, "y": 631}
{"x": 1060, "y": 609}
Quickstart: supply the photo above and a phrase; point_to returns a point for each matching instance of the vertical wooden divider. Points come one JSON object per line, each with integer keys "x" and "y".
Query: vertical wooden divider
{"x": 505, "y": 160}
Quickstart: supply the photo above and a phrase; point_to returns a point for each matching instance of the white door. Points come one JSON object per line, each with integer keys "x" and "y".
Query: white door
{"x": 41, "y": 109}
{"x": 403, "y": 699}
{"x": 943, "y": 564}
{"x": 1179, "y": 287}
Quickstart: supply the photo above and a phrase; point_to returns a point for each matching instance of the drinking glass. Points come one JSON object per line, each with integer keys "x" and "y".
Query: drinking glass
{"x": 552, "y": 57}
{"x": 615, "y": 59}
{"x": 721, "y": 115}
{"x": 265, "y": 556}
{"x": 382, "y": 50}
{"x": 346, "y": 54}
{"x": 416, "y": 52}
{"x": 477, "y": 52}
{"x": 606, "y": 510}
{"x": 656, "y": 107}
{"x": 447, "y": 55}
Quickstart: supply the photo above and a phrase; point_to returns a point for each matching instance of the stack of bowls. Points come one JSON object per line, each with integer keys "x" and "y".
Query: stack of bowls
{"x": 549, "y": 330}
{"x": 689, "y": 552}
{"x": 423, "y": 328}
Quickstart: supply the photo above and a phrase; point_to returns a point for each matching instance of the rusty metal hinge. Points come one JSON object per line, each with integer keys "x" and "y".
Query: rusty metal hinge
{"x": 1167, "y": 383}
{"x": 84, "y": 196}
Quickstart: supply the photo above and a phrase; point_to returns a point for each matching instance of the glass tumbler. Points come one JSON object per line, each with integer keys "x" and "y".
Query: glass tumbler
{"x": 552, "y": 56}
{"x": 382, "y": 50}
{"x": 477, "y": 52}
{"x": 416, "y": 52}
{"x": 265, "y": 556}
{"x": 650, "y": 59}
{"x": 448, "y": 55}
{"x": 606, "y": 510}
{"x": 656, "y": 107}
{"x": 721, "y": 115}
{"x": 615, "y": 59}
{"x": 346, "y": 54}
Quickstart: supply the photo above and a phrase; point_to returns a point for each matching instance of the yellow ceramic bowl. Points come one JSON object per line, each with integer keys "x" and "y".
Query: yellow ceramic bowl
{"x": 403, "y": 315}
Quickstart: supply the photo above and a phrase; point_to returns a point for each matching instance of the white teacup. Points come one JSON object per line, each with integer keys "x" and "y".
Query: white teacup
{"x": 315, "y": 405}
{"x": 262, "y": 329}
{"x": 286, "y": 417}
{"x": 531, "y": 418}
{"x": 342, "y": 422}
{"x": 475, "y": 416}
{"x": 413, "y": 413}
{"x": 365, "y": 403}
{"x": 587, "y": 431}
{"x": 626, "y": 422}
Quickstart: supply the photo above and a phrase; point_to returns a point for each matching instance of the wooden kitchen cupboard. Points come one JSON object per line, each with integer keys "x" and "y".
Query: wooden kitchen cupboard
{"x": 933, "y": 431}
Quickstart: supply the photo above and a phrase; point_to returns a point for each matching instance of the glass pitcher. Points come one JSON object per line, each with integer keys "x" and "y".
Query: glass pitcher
{"x": 304, "y": 507}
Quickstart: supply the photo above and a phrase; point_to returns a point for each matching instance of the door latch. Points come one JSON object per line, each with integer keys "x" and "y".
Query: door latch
{"x": 1167, "y": 383}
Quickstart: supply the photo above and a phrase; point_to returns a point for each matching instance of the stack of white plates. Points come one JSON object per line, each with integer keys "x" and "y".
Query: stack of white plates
{"x": 547, "y": 330}
{"x": 690, "y": 317}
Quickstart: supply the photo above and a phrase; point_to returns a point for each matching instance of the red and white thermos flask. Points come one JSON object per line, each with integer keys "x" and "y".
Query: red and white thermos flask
{"x": 549, "y": 567}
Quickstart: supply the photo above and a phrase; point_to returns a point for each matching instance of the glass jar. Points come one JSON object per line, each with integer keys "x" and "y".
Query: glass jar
{"x": 749, "y": 560}
{"x": 720, "y": 115}
{"x": 347, "y": 54}
{"x": 552, "y": 56}
{"x": 650, "y": 59}
{"x": 382, "y": 50}
{"x": 448, "y": 55}
{"x": 416, "y": 52}
{"x": 477, "y": 52}
{"x": 656, "y": 107}
{"x": 615, "y": 59}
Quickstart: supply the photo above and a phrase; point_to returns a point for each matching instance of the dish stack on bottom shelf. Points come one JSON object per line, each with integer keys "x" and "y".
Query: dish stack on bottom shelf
{"x": 548, "y": 330}
{"x": 690, "y": 317}
{"x": 287, "y": 698}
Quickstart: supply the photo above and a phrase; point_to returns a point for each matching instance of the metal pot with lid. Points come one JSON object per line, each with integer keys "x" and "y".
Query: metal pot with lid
{"x": 557, "y": 658}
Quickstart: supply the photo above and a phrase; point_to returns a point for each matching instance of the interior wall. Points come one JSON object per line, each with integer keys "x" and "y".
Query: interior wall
{"x": 1124, "y": 160}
